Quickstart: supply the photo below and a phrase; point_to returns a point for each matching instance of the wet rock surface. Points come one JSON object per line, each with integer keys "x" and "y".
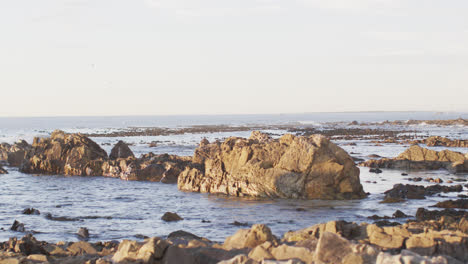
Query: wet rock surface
{"x": 418, "y": 158}
{"x": 460, "y": 203}
{"x": 444, "y": 239}
{"x": 408, "y": 191}
{"x": 289, "y": 167}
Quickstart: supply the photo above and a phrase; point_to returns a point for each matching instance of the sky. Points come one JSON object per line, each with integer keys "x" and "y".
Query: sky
{"x": 170, "y": 57}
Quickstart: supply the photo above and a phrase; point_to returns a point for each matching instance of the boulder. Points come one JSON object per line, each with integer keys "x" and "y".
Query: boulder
{"x": 68, "y": 154}
{"x": 83, "y": 233}
{"x": 80, "y": 248}
{"x": 121, "y": 151}
{"x": 17, "y": 226}
{"x": 31, "y": 211}
{"x": 422, "y": 214}
{"x": 419, "y": 158}
{"x": 27, "y": 245}
{"x": 289, "y": 167}
{"x": 171, "y": 217}
{"x": 3, "y": 171}
{"x": 249, "y": 238}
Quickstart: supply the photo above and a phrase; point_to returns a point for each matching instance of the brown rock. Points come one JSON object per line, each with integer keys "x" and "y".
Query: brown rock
{"x": 69, "y": 154}
{"x": 170, "y": 217}
{"x": 418, "y": 158}
{"x": 290, "y": 167}
{"x": 249, "y": 238}
{"x": 80, "y": 248}
{"x": 332, "y": 248}
{"x": 460, "y": 203}
{"x": 121, "y": 151}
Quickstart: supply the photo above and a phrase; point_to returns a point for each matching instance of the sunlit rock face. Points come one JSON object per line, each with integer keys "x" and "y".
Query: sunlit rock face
{"x": 67, "y": 154}
{"x": 288, "y": 167}
{"x": 419, "y": 158}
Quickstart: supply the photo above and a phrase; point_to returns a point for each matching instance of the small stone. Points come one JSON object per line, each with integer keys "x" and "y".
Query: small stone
{"x": 31, "y": 211}
{"x": 83, "y": 233}
{"x": 170, "y": 217}
{"x": 17, "y": 226}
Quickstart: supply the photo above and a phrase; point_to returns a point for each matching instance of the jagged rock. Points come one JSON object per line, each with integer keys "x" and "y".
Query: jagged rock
{"x": 121, "y": 150}
{"x": 80, "y": 248}
{"x": 399, "y": 214}
{"x": 408, "y": 191}
{"x": 170, "y": 217}
{"x": 442, "y": 141}
{"x": 69, "y": 154}
{"x": 27, "y": 245}
{"x": 423, "y": 214}
{"x": 150, "y": 167}
{"x": 14, "y": 154}
{"x": 289, "y": 167}
{"x": 460, "y": 203}
{"x": 249, "y": 238}
{"x": 31, "y": 211}
{"x": 17, "y": 226}
{"x": 83, "y": 233}
{"x": 418, "y": 158}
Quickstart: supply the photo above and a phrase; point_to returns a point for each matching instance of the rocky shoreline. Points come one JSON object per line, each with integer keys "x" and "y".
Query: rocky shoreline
{"x": 301, "y": 166}
{"x": 438, "y": 240}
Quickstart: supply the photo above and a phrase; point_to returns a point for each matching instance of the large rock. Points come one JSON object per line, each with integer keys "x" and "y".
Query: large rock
{"x": 121, "y": 150}
{"x": 418, "y": 158}
{"x": 289, "y": 167}
{"x": 69, "y": 154}
{"x": 249, "y": 238}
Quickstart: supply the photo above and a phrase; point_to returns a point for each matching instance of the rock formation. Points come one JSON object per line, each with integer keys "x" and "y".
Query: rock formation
{"x": 150, "y": 167}
{"x": 444, "y": 240}
{"x": 418, "y": 158}
{"x": 121, "y": 150}
{"x": 14, "y": 154}
{"x": 442, "y": 141}
{"x": 289, "y": 167}
{"x": 401, "y": 192}
{"x": 68, "y": 154}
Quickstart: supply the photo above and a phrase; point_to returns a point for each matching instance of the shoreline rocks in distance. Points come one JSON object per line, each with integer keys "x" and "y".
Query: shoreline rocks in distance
{"x": 288, "y": 167}
{"x": 442, "y": 141}
{"x": 418, "y": 158}
{"x": 401, "y": 192}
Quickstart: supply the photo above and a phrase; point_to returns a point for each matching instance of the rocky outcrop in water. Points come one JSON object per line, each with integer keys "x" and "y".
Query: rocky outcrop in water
{"x": 3, "y": 171}
{"x": 150, "y": 167}
{"x": 460, "y": 203}
{"x": 67, "y": 154}
{"x": 442, "y": 141}
{"x": 14, "y": 154}
{"x": 121, "y": 151}
{"x": 418, "y": 158}
{"x": 401, "y": 192}
{"x": 288, "y": 167}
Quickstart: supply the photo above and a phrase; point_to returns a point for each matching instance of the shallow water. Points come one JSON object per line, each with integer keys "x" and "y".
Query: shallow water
{"x": 113, "y": 209}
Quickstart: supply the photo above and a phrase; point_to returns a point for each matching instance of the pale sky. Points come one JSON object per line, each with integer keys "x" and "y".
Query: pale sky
{"x": 158, "y": 57}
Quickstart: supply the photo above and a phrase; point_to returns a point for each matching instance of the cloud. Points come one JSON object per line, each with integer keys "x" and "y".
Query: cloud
{"x": 350, "y": 4}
